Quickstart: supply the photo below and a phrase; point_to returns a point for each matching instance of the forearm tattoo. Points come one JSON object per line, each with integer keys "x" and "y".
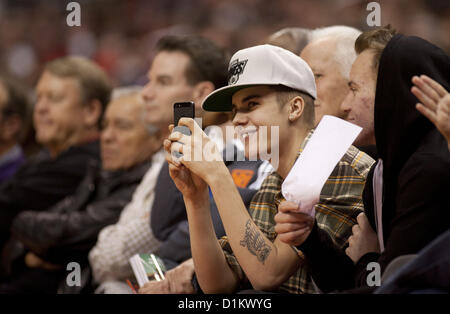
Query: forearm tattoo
{"x": 254, "y": 241}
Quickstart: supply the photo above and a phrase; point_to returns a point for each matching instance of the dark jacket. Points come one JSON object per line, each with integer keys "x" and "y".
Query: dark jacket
{"x": 416, "y": 169}
{"x": 42, "y": 181}
{"x": 169, "y": 219}
{"x": 67, "y": 231}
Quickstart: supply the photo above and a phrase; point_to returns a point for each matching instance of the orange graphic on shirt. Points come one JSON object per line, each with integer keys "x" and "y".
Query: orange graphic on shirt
{"x": 242, "y": 177}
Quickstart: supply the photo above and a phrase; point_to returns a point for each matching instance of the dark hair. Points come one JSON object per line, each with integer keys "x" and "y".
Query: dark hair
{"x": 284, "y": 94}
{"x": 94, "y": 83}
{"x": 17, "y": 103}
{"x": 207, "y": 61}
{"x": 376, "y": 40}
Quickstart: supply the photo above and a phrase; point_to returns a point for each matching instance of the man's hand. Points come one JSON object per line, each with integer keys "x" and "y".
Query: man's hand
{"x": 363, "y": 240}
{"x": 180, "y": 278}
{"x": 293, "y": 228}
{"x": 188, "y": 183}
{"x": 178, "y": 281}
{"x": 155, "y": 287}
{"x": 200, "y": 154}
{"x": 434, "y": 103}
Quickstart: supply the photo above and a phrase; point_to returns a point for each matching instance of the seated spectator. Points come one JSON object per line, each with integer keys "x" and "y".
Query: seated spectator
{"x": 252, "y": 252}
{"x": 171, "y": 226}
{"x": 434, "y": 103}
{"x": 72, "y": 94}
{"x": 167, "y": 235}
{"x": 67, "y": 231}
{"x": 330, "y": 54}
{"x": 405, "y": 194}
{"x": 185, "y": 68}
{"x": 14, "y": 106}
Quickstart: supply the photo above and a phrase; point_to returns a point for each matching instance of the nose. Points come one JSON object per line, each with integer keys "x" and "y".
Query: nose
{"x": 240, "y": 119}
{"x": 346, "y": 103}
{"x": 41, "y": 106}
{"x": 107, "y": 135}
{"x": 148, "y": 92}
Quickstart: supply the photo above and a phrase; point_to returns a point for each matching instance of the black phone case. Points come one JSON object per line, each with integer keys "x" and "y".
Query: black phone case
{"x": 181, "y": 110}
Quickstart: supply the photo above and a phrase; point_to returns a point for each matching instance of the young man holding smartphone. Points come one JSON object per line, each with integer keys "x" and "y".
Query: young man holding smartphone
{"x": 268, "y": 87}
{"x": 178, "y": 73}
{"x": 184, "y": 69}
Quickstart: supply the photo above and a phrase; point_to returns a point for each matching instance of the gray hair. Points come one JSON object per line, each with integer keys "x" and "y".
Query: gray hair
{"x": 345, "y": 37}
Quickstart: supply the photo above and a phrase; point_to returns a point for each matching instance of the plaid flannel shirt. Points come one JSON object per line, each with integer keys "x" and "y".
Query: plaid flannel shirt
{"x": 339, "y": 205}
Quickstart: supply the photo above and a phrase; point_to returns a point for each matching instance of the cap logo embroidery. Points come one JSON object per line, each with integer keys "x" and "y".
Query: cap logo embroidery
{"x": 236, "y": 69}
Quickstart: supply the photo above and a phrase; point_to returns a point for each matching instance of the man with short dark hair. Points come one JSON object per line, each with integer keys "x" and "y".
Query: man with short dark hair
{"x": 268, "y": 87}
{"x": 184, "y": 68}
{"x": 72, "y": 93}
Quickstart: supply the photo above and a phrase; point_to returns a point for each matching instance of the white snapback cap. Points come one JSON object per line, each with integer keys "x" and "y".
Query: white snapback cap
{"x": 262, "y": 65}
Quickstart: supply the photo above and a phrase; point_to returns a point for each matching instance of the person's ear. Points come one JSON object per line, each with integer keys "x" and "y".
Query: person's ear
{"x": 295, "y": 108}
{"x": 201, "y": 90}
{"x": 92, "y": 112}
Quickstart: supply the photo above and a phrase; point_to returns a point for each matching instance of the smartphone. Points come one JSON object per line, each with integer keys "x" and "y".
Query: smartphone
{"x": 180, "y": 110}
{"x": 183, "y": 109}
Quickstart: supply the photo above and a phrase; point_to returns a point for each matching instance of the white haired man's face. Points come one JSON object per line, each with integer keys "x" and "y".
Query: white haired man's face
{"x": 331, "y": 84}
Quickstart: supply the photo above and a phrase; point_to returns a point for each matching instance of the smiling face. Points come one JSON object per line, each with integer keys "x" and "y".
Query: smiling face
{"x": 253, "y": 109}
{"x": 167, "y": 85}
{"x": 125, "y": 141}
{"x": 360, "y": 100}
{"x": 331, "y": 85}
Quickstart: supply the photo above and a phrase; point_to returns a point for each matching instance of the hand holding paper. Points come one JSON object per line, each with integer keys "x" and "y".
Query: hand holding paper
{"x": 292, "y": 227}
{"x": 325, "y": 148}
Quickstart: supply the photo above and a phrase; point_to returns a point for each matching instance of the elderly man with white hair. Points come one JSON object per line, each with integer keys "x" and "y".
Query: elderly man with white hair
{"x": 330, "y": 54}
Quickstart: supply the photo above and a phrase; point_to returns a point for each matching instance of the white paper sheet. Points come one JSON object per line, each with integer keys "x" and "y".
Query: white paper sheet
{"x": 325, "y": 148}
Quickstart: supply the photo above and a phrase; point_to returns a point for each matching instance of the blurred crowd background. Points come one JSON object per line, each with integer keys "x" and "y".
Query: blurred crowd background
{"x": 119, "y": 34}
